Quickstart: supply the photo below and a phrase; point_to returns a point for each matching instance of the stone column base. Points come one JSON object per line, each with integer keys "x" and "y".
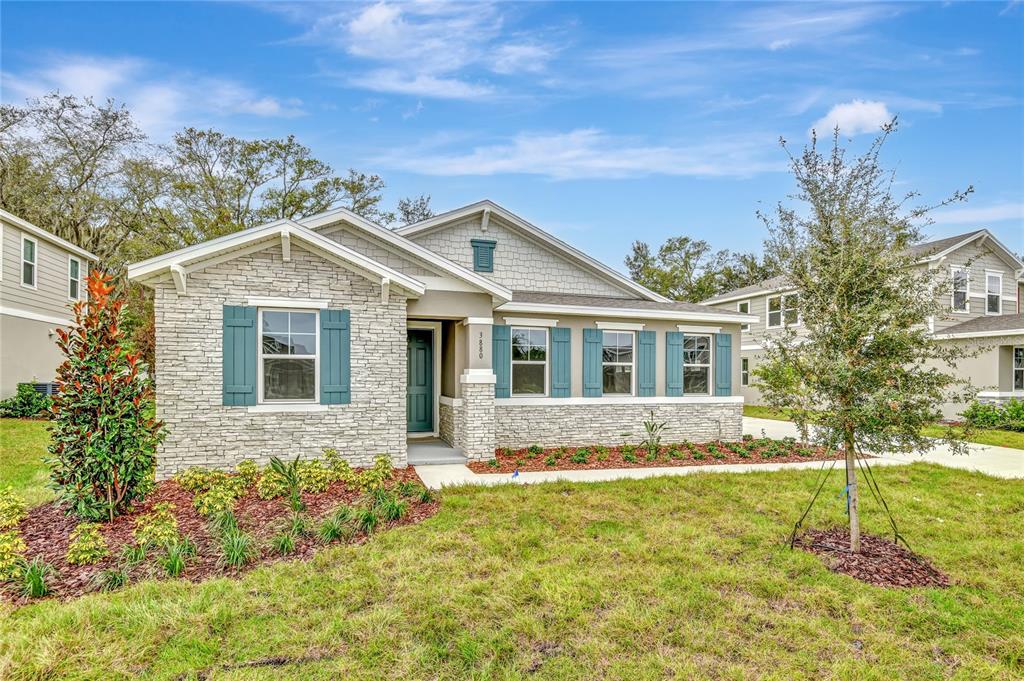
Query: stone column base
{"x": 474, "y": 417}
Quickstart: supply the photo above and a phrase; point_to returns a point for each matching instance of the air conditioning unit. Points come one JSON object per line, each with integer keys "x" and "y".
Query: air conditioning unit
{"x": 45, "y": 388}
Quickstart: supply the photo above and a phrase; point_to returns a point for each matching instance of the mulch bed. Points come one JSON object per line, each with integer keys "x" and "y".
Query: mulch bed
{"x": 759, "y": 450}
{"x": 881, "y": 561}
{"x": 47, "y": 530}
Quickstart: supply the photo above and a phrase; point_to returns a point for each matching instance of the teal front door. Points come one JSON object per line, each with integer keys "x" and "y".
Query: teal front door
{"x": 419, "y": 398}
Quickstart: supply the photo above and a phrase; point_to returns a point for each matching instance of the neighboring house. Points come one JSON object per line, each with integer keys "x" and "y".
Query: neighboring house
{"x": 473, "y": 326}
{"x": 983, "y": 310}
{"x": 41, "y": 277}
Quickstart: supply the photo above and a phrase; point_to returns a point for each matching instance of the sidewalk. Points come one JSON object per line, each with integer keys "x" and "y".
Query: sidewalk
{"x": 998, "y": 461}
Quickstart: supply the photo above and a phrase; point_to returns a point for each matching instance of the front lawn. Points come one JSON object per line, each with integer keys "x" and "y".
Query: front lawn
{"x": 22, "y": 448}
{"x": 999, "y": 438}
{"x": 661, "y": 578}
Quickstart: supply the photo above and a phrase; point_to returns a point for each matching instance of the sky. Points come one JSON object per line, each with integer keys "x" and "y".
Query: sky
{"x": 603, "y": 123}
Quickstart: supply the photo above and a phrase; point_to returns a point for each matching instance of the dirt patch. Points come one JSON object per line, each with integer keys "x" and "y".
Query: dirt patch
{"x": 760, "y": 450}
{"x": 881, "y": 561}
{"x": 48, "y": 527}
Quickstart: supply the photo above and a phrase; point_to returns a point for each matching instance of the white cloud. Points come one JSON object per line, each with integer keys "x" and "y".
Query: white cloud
{"x": 980, "y": 215}
{"x": 854, "y": 118}
{"x": 592, "y": 153}
{"x": 161, "y": 100}
{"x": 420, "y": 85}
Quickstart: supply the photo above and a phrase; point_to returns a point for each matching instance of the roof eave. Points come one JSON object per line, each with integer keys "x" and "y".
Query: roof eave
{"x": 630, "y": 313}
{"x": 24, "y": 224}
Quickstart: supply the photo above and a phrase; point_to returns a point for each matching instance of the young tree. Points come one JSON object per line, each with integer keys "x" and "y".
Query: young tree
{"x": 103, "y": 434}
{"x": 412, "y": 210}
{"x": 864, "y": 374}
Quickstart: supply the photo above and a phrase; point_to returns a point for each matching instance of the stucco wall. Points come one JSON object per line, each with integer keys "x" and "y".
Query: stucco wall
{"x": 189, "y": 355}
{"x": 28, "y": 353}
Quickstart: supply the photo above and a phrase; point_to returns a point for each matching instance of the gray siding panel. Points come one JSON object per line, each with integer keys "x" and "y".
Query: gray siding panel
{"x": 50, "y": 297}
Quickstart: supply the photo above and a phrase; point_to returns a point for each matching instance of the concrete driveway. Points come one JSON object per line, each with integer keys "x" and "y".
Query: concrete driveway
{"x": 1002, "y": 462}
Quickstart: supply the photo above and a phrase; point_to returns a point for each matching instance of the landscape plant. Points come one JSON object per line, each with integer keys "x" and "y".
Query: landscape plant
{"x": 34, "y": 574}
{"x": 12, "y": 508}
{"x": 652, "y": 436}
{"x": 1006, "y": 416}
{"x": 103, "y": 435}
{"x": 25, "y": 403}
{"x": 864, "y": 374}
{"x": 87, "y": 545}
{"x": 12, "y": 552}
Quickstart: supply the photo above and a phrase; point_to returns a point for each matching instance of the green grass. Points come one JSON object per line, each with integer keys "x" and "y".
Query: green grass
{"x": 999, "y": 438}
{"x": 677, "y": 577}
{"x": 22, "y": 448}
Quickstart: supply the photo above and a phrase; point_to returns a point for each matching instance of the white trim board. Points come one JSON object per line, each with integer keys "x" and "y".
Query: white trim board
{"x": 304, "y": 303}
{"x": 698, "y": 329}
{"x": 35, "y": 316}
{"x": 619, "y": 326}
{"x": 979, "y": 334}
{"x": 531, "y": 321}
{"x": 47, "y": 236}
{"x": 627, "y": 313}
{"x": 609, "y": 401}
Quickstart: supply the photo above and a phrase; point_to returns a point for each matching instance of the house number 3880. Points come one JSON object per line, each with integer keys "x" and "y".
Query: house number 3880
{"x": 480, "y": 346}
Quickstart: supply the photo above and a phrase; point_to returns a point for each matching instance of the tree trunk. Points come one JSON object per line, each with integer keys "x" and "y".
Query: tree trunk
{"x": 851, "y": 489}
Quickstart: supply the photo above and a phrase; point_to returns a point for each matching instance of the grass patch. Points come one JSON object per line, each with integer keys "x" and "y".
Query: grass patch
{"x": 999, "y": 438}
{"x": 23, "y": 445}
{"x": 676, "y": 577}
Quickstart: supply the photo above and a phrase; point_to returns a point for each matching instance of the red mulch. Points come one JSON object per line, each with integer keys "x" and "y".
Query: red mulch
{"x": 47, "y": 530}
{"x": 522, "y": 460}
{"x": 881, "y": 561}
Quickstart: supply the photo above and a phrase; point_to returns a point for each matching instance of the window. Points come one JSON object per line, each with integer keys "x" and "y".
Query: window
{"x": 288, "y": 356}
{"x": 74, "y": 278}
{"x": 745, "y": 371}
{"x": 993, "y": 293}
{"x": 529, "y": 361}
{"x": 617, "y": 362}
{"x": 696, "y": 365}
{"x": 28, "y": 262}
{"x": 781, "y": 309}
{"x": 1018, "y": 367}
{"x": 744, "y": 307}
{"x": 961, "y": 292}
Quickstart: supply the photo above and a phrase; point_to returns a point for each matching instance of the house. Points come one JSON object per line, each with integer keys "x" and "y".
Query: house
{"x": 474, "y": 327}
{"x": 41, "y": 277}
{"x": 983, "y": 311}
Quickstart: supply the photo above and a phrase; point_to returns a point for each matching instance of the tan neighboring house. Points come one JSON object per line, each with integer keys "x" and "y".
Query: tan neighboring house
{"x": 473, "y": 328}
{"x": 983, "y": 309}
{"x": 41, "y": 277}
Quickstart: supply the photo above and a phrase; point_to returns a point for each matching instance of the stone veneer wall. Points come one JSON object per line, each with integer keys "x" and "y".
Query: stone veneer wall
{"x": 446, "y": 424}
{"x": 203, "y": 432}
{"x": 553, "y": 425}
{"x": 474, "y": 421}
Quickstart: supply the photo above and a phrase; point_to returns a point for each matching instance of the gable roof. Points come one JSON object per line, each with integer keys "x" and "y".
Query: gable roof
{"x": 192, "y": 258}
{"x": 47, "y": 236}
{"x": 988, "y": 325}
{"x": 402, "y": 244}
{"x": 928, "y": 251}
{"x": 547, "y": 239}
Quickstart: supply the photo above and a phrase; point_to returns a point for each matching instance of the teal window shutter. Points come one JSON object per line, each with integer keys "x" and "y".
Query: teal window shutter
{"x": 592, "y": 347}
{"x": 483, "y": 254}
{"x": 501, "y": 359}
{"x": 335, "y": 357}
{"x": 674, "y": 364}
{"x": 240, "y": 347}
{"x": 723, "y": 364}
{"x": 561, "y": 362}
{"x": 645, "y": 379}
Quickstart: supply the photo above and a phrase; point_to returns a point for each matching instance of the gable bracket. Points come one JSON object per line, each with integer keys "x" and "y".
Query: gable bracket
{"x": 485, "y": 219}
{"x": 286, "y": 245}
{"x": 180, "y": 278}
{"x": 385, "y": 290}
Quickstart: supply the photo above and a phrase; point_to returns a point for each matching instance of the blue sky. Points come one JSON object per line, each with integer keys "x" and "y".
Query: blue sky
{"x": 601, "y": 122}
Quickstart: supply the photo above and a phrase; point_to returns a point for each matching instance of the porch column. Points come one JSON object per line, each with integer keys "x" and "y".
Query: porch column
{"x": 475, "y": 420}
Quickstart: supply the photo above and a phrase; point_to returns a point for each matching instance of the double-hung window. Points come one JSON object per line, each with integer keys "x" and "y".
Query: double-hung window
{"x": 993, "y": 293}
{"x": 529, "y": 361}
{"x": 961, "y": 289}
{"x": 617, "y": 362}
{"x": 744, "y": 307}
{"x": 1018, "y": 368}
{"x": 28, "y": 261}
{"x": 288, "y": 370}
{"x": 745, "y": 371}
{"x": 696, "y": 364}
{"x": 782, "y": 309}
{"x": 74, "y": 278}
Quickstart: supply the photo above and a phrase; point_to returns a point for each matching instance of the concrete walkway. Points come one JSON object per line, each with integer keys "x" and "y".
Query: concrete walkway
{"x": 998, "y": 461}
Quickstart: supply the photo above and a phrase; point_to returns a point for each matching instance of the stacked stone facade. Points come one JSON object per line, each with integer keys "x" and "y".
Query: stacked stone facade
{"x": 203, "y": 432}
{"x": 611, "y": 424}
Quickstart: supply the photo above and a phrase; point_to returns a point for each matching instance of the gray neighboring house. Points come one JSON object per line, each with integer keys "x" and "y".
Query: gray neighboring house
{"x": 983, "y": 310}
{"x": 473, "y": 328}
{"x": 41, "y": 277}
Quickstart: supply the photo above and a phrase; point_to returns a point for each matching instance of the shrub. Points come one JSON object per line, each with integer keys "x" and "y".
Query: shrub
{"x": 628, "y": 450}
{"x": 366, "y": 519}
{"x": 342, "y": 469}
{"x": 407, "y": 488}
{"x": 237, "y": 548}
{"x": 697, "y": 454}
{"x": 426, "y": 496}
{"x": 111, "y": 579}
{"x": 1007, "y": 416}
{"x": 392, "y": 508}
{"x": 219, "y": 498}
{"x": 289, "y": 474}
{"x": 103, "y": 439}
{"x": 377, "y": 477}
{"x": 221, "y": 523}
{"x": 33, "y": 578}
{"x": 196, "y": 479}
{"x": 173, "y": 560}
{"x": 315, "y": 477}
{"x": 581, "y": 455}
{"x": 87, "y": 545}
{"x": 652, "y": 437}
{"x": 12, "y": 508}
{"x": 335, "y": 526}
{"x": 674, "y": 453}
{"x": 133, "y": 554}
{"x": 26, "y": 403}
{"x": 12, "y": 553}
{"x": 158, "y": 527}
{"x": 550, "y": 460}
{"x": 535, "y": 450}
{"x": 283, "y": 543}
{"x": 248, "y": 472}
{"x": 271, "y": 485}
{"x": 493, "y": 463}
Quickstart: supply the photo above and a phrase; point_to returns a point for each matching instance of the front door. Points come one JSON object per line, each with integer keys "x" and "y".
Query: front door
{"x": 419, "y": 399}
